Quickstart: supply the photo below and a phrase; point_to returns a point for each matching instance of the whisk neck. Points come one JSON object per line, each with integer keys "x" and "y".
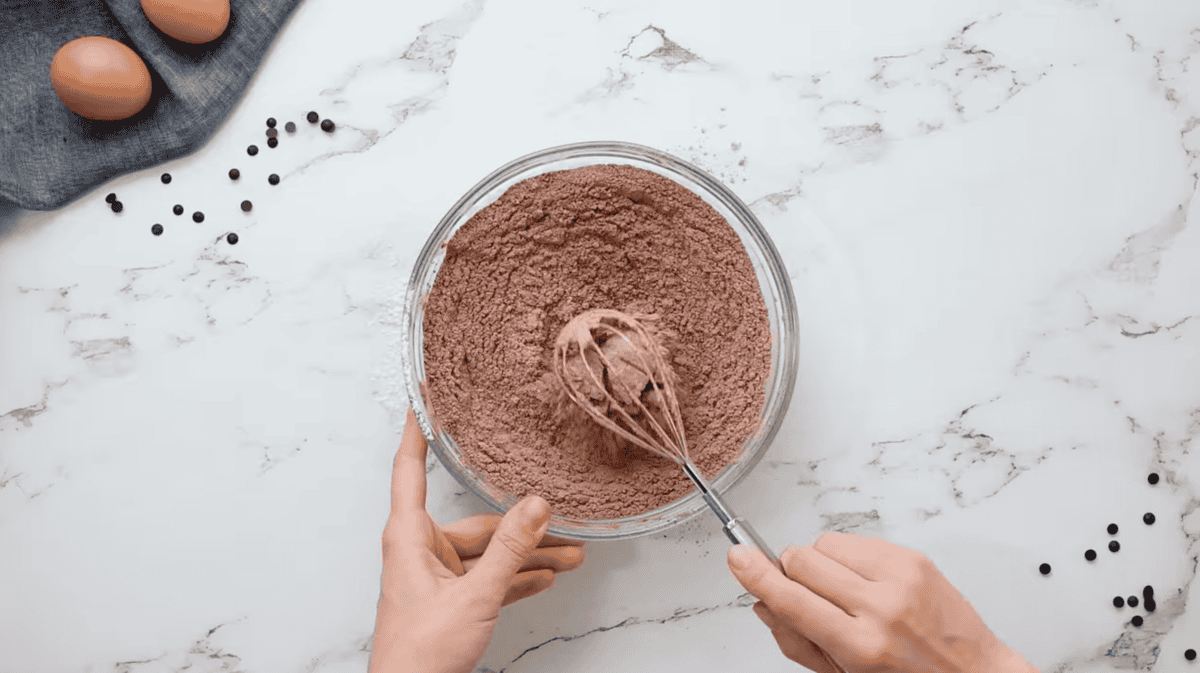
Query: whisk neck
{"x": 710, "y": 496}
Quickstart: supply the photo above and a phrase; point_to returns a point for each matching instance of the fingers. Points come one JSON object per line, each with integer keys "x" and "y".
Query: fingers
{"x": 825, "y": 577}
{"x": 790, "y": 601}
{"x": 408, "y": 470}
{"x": 556, "y": 559}
{"x": 516, "y": 536}
{"x": 470, "y": 536}
{"x": 443, "y": 549}
{"x": 764, "y": 614}
{"x": 793, "y": 645}
{"x": 870, "y": 558}
{"x": 528, "y": 584}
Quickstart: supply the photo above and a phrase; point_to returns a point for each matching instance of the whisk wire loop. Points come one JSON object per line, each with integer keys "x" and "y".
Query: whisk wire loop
{"x": 603, "y": 325}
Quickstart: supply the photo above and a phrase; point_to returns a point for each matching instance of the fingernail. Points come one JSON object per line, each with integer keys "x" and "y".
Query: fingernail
{"x": 739, "y": 557}
{"x": 537, "y": 509}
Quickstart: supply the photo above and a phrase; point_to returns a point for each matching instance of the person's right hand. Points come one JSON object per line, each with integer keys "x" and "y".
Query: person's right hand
{"x": 871, "y": 605}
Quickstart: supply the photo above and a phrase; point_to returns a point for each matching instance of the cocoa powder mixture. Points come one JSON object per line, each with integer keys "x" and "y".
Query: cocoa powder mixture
{"x": 552, "y": 246}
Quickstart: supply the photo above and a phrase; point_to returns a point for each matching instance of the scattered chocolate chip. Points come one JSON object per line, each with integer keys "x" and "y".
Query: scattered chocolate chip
{"x": 1114, "y": 546}
{"x": 313, "y": 117}
{"x": 1153, "y": 478}
{"x": 270, "y": 122}
{"x": 246, "y": 205}
{"x": 178, "y": 209}
{"x": 272, "y": 132}
{"x": 1090, "y": 554}
{"x": 232, "y": 238}
{"x": 166, "y": 178}
{"x": 252, "y": 150}
{"x": 1119, "y": 602}
{"x": 111, "y": 197}
{"x": 234, "y": 174}
{"x": 156, "y": 230}
{"x": 272, "y": 143}
{"x": 327, "y": 126}
{"x": 1132, "y": 601}
{"x": 1137, "y": 620}
{"x": 197, "y": 216}
{"x": 117, "y": 206}
{"x": 273, "y": 179}
{"x": 1189, "y": 654}
{"x": 1044, "y": 568}
{"x": 1148, "y": 517}
{"x": 1112, "y": 529}
{"x": 290, "y": 127}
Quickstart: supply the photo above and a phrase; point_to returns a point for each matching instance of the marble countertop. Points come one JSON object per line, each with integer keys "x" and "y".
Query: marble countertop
{"x": 986, "y": 209}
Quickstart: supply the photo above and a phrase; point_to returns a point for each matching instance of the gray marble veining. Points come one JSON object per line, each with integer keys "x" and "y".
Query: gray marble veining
{"x": 986, "y": 210}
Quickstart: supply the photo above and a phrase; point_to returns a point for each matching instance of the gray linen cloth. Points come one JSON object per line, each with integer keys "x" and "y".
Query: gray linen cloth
{"x": 50, "y": 155}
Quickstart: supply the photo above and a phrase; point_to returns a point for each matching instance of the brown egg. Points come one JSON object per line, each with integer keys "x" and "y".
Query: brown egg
{"x": 100, "y": 78}
{"x": 191, "y": 21}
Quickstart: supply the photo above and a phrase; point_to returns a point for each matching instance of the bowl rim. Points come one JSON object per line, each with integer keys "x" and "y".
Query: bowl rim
{"x": 684, "y": 509}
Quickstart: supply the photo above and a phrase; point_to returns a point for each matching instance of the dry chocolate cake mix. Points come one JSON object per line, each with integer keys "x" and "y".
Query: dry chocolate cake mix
{"x": 552, "y": 246}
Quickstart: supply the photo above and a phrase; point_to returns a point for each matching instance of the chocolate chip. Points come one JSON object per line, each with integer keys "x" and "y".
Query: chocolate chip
{"x": 272, "y": 132}
{"x": 1112, "y": 529}
{"x": 270, "y": 122}
{"x": 1148, "y": 592}
{"x": 1153, "y": 478}
{"x": 178, "y": 209}
{"x": 1189, "y": 654}
{"x": 1151, "y": 605}
{"x": 1137, "y": 620}
{"x": 290, "y": 127}
{"x": 197, "y": 216}
{"x": 156, "y": 230}
{"x": 313, "y": 117}
{"x": 117, "y": 206}
{"x": 234, "y": 174}
{"x": 272, "y": 143}
{"x": 273, "y": 179}
{"x": 327, "y": 126}
{"x": 232, "y": 238}
{"x": 111, "y": 197}
{"x": 246, "y": 205}
{"x": 1090, "y": 554}
{"x": 1119, "y": 602}
{"x": 252, "y": 150}
{"x": 166, "y": 178}
{"x": 1148, "y": 517}
{"x": 1044, "y": 568}
{"x": 1132, "y": 601}
{"x": 1114, "y": 546}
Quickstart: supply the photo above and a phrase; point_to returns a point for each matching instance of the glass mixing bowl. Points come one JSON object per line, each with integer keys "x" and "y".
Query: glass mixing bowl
{"x": 772, "y": 280}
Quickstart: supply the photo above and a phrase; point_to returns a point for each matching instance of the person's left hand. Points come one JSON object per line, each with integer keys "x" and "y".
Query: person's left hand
{"x": 443, "y": 587}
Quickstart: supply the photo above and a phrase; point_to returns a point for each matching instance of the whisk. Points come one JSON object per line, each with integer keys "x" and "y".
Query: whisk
{"x": 656, "y": 425}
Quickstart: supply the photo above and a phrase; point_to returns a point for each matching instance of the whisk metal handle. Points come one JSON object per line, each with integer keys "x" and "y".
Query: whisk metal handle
{"x": 739, "y": 531}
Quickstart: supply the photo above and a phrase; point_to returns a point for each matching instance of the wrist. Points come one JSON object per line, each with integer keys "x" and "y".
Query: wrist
{"x": 394, "y": 655}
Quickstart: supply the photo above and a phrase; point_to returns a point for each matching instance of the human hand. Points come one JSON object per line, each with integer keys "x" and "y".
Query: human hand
{"x": 443, "y": 587}
{"x": 872, "y": 606}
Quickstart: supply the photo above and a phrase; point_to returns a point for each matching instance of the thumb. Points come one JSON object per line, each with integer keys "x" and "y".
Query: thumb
{"x": 516, "y": 536}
